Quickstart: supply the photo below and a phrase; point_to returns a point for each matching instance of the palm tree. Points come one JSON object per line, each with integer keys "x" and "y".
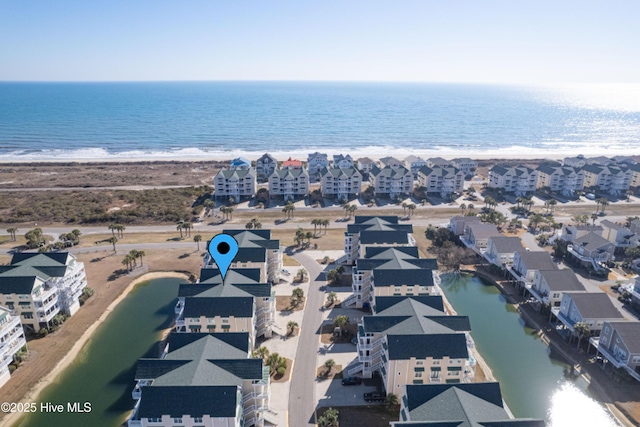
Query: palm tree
{"x": 208, "y": 206}
{"x": 331, "y": 298}
{"x": 262, "y": 352}
{"x": 113, "y": 227}
{"x": 133, "y": 254}
{"x": 300, "y": 236}
{"x": 412, "y": 208}
{"x": 230, "y": 210}
{"x": 291, "y": 326}
{"x": 197, "y": 238}
{"x": 302, "y": 275}
{"x": 179, "y": 228}
{"x": 352, "y": 210}
{"x": 470, "y": 207}
{"x": 552, "y": 204}
{"x": 140, "y": 255}
{"x": 120, "y": 229}
{"x": 582, "y": 329}
{"x": 463, "y": 207}
{"x": 257, "y": 225}
{"x": 12, "y": 231}
{"x": 329, "y": 364}
{"x": 489, "y": 202}
{"x": 325, "y": 223}
{"x": 594, "y": 216}
{"x": 340, "y": 321}
{"x": 127, "y": 261}
{"x": 315, "y": 222}
{"x": 404, "y": 208}
{"x": 113, "y": 240}
{"x": 188, "y": 226}
{"x": 329, "y": 418}
{"x": 604, "y": 204}
{"x": 391, "y": 401}
{"x": 346, "y": 207}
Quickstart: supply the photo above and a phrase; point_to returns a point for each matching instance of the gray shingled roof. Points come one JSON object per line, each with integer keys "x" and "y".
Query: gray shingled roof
{"x": 412, "y": 324}
{"x": 201, "y": 290}
{"x": 368, "y": 237}
{"x": 388, "y": 171}
{"x": 506, "y": 244}
{"x": 595, "y": 305}
{"x": 234, "y": 275}
{"x": 460, "y": 405}
{"x": 562, "y": 280}
{"x": 629, "y": 332}
{"x": 612, "y": 225}
{"x": 341, "y": 172}
{"x": 421, "y": 346}
{"x": 394, "y": 258}
{"x": 220, "y": 345}
{"x": 537, "y": 260}
{"x": 592, "y": 241}
{"x": 483, "y": 231}
{"x": 439, "y": 170}
{"x": 254, "y": 238}
{"x": 433, "y": 302}
{"x": 236, "y": 173}
{"x": 177, "y": 401}
{"x": 289, "y": 172}
{"x": 218, "y": 306}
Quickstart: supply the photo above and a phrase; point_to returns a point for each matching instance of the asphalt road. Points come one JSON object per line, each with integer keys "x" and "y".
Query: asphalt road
{"x": 302, "y": 398}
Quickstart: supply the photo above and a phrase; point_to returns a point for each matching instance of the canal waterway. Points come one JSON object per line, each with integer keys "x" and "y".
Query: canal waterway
{"x": 534, "y": 382}
{"x": 102, "y": 375}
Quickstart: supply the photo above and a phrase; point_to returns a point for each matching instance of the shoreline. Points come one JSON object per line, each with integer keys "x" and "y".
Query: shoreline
{"x": 32, "y": 395}
{"x": 476, "y": 152}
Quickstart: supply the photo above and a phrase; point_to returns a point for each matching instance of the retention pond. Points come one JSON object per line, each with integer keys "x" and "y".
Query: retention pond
{"x": 534, "y": 383}
{"x": 103, "y": 372}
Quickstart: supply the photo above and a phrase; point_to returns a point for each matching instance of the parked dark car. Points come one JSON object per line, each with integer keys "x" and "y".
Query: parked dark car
{"x": 375, "y": 396}
{"x": 351, "y": 381}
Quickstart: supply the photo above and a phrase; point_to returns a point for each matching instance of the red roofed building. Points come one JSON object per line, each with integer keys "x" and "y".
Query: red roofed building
{"x": 292, "y": 163}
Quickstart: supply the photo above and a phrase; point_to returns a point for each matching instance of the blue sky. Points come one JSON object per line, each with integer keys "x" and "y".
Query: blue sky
{"x": 533, "y": 42}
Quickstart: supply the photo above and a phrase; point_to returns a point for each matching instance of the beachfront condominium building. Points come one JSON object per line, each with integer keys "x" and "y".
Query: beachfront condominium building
{"x": 265, "y": 166}
{"x": 239, "y": 282}
{"x": 433, "y": 162}
{"x": 391, "y": 182}
{"x": 315, "y": 163}
{"x": 256, "y": 249}
{"x": 365, "y": 165}
{"x": 565, "y": 180}
{"x": 341, "y": 183}
{"x": 619, "y": 345}
{"x": 39, "y": 286}
{"x": 218, "y": 314}
{"x": 391, "y": 162}
{"x": 386, "y": 271}
{"x": 342, "y": 162}
{"x": 235, "y": 183}
{"x": 202, "y": 379}
{"x": 519, "y": 180}
{"x": 502, "y": 249}
{"x": 474, "y": 404}
{"x": 466, "y": 165}
{"x": 591, "y": 308}
{"x": 414, "y": 163}
{"x": 383, "y": 343}
{"x": 289, "y": 183}
{"x": 614, "y": 180}
{"x": 12, "y": 341}
{"x": 444, "y": 181}
{"x": 369, "y": 231}
{"x": 574, "y": 162}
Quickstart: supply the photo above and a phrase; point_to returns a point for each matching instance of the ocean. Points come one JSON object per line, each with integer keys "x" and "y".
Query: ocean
{"x": 200, "y": 120}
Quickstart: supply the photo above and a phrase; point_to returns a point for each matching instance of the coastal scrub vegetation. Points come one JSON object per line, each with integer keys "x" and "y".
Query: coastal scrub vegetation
{"x": 104, "y": 206}
{"x": 448, "y": 249}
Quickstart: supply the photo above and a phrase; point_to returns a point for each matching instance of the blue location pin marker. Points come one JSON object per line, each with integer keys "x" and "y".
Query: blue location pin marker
{"x": 223, "y": 248}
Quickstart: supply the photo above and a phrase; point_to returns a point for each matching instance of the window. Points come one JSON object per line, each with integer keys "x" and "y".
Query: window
{"x": 155, "y": 420}
{"x": 418, "y": 374}
{"x": 27, "y": 315}
{"x": 419, "y": 362}
{"x": 177, "y": 420}
{"x": 225, "y": 320}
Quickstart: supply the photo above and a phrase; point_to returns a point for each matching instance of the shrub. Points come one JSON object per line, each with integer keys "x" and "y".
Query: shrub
{"x": 12, "y": 368}
{"x": 43, "y": 332}
{"x": 281, "y": 370}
